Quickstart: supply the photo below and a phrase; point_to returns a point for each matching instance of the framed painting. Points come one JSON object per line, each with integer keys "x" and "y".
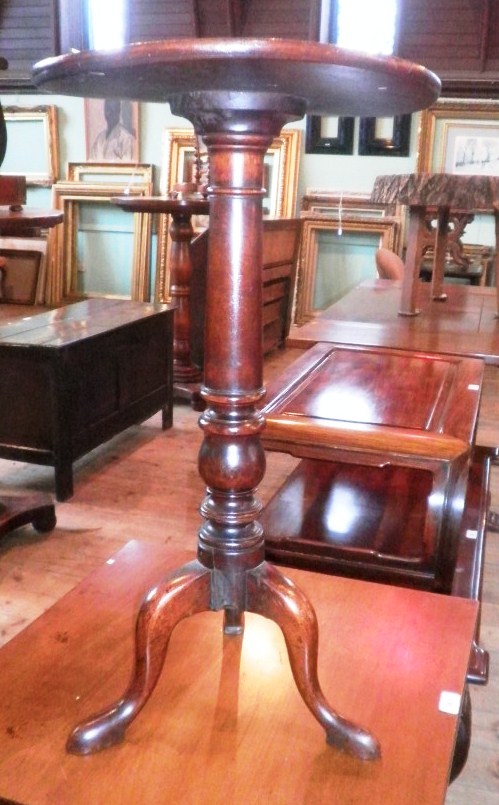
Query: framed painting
{"x": 460, "y": 137}
{"x": 111, "y": 130}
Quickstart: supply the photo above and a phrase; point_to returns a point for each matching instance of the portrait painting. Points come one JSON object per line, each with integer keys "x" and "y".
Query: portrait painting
{"x": 111, "y": 130}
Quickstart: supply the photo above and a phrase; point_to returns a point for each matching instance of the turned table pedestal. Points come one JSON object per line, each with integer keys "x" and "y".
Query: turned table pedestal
{"x": 238, "y": 94}
{"x": 186, "y": 375}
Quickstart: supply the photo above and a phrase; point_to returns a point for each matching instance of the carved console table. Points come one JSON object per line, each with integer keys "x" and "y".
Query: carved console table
{"x": 451, "y": 195}
{"x": 238, "y": 93}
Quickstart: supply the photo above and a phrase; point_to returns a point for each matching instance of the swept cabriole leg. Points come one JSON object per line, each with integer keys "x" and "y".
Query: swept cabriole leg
{"x": 182, "y": 594}
{"x": 273, "y": 595}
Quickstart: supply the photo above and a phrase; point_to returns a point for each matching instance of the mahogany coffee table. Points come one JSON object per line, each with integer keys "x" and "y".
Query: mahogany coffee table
{"x": 238, "y": 94}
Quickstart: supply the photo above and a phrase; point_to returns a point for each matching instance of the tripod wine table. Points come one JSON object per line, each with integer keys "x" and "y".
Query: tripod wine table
{"x": 238, "y": 94}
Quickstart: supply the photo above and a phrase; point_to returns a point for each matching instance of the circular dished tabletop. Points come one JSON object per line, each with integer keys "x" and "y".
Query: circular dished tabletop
{"x": 328, "y": 80}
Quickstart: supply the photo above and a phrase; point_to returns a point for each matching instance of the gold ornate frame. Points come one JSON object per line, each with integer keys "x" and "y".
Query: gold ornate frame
{"x": 179, "y": 144}
{"x": 386, "y": 228}
{"x": 40, "y": 133}
{"x": 358, "y": 205}
{"x": 61, "y": 271}
{"x": 437, "y": 122}
{"x": 125, "y": 172}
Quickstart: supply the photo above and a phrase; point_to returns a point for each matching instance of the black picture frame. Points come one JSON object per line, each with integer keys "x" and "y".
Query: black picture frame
{"x": 395, "y": 146}
{"x": 315, "y": 143}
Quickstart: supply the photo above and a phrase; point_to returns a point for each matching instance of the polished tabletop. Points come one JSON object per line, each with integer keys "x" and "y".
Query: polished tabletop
{"x": 392, "y": 657}
{"x": 464, "y": 324}
{"x": 326, "y": 78}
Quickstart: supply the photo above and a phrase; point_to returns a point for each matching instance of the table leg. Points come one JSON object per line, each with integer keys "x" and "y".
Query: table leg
{"x": 441, "y": 232}
{"x": 230, "y": 573}
{"x": 184, "y": 371}
{"x": 33, "y": 508}
{"x": 415, "y": 242}
{"x": 496, "y": 259}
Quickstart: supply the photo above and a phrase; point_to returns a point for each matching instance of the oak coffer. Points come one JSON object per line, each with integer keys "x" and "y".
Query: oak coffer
{"x": 73, "y": 377}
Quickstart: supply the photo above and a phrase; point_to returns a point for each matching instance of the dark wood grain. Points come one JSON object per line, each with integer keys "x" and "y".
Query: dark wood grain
{"x": 94, "y": 368}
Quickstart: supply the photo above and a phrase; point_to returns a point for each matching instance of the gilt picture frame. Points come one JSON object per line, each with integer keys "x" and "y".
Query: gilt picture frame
{"x": 36, "y": 153}
{"x": 382, "y": 232}
{"x": 62, "y": 271}
{"x": 445, "y": 128}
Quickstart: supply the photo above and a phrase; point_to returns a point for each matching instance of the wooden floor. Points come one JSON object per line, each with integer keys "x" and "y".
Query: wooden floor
{"x": 144, "y": 485}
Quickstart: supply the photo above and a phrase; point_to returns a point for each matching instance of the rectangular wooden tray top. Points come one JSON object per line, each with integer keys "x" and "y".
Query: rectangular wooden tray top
{"x": 374, "y": 400}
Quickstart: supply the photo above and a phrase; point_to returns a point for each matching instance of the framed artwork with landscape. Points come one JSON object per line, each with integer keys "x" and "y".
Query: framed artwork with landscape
{"x": 460, "y": 137}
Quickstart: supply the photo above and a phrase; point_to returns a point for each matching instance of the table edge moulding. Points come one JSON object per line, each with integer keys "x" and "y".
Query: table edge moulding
{"x": 238, "y": 94}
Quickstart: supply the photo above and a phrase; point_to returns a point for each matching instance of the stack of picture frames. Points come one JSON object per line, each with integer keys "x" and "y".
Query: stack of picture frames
{"x": 91, "y": 253}
{"x": 340, "y": 234}
{"x": 32, "y": 152}
{"x": 102, "y": 250}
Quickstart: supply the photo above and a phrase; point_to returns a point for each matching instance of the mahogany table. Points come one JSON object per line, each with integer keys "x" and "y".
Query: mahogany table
{"x": 396, "y": 657}
{"x": 368, "y": 315}
{"x": 33, "y": 508}
{"x": 186, "y": 375}
{"x": 238, "y": 94}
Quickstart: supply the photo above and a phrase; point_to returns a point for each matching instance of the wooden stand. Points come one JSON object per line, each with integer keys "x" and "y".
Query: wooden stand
{"x": 186, "y": 376}
{"x": 238, "y": 94}
{"x": 37, "y": 509}
{"x": 226, "y": 723}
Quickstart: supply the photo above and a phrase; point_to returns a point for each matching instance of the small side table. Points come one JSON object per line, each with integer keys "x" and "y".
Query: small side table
{"x": 238, "y": 94}
{"x": 186, "y": 375}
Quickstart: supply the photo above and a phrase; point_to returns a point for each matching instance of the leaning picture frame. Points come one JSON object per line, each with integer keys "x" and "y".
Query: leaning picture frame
{"x": 35, "y": 133}
{"x": 63, "y": 266}
{"x": 383, "y": 232}
{"x": 111, "y": 130}
{"x": 448, "y": 126}
{"x": 128, "y": 173}
{"x": 19, "y": 275}
{"x": 281, "y": 165}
